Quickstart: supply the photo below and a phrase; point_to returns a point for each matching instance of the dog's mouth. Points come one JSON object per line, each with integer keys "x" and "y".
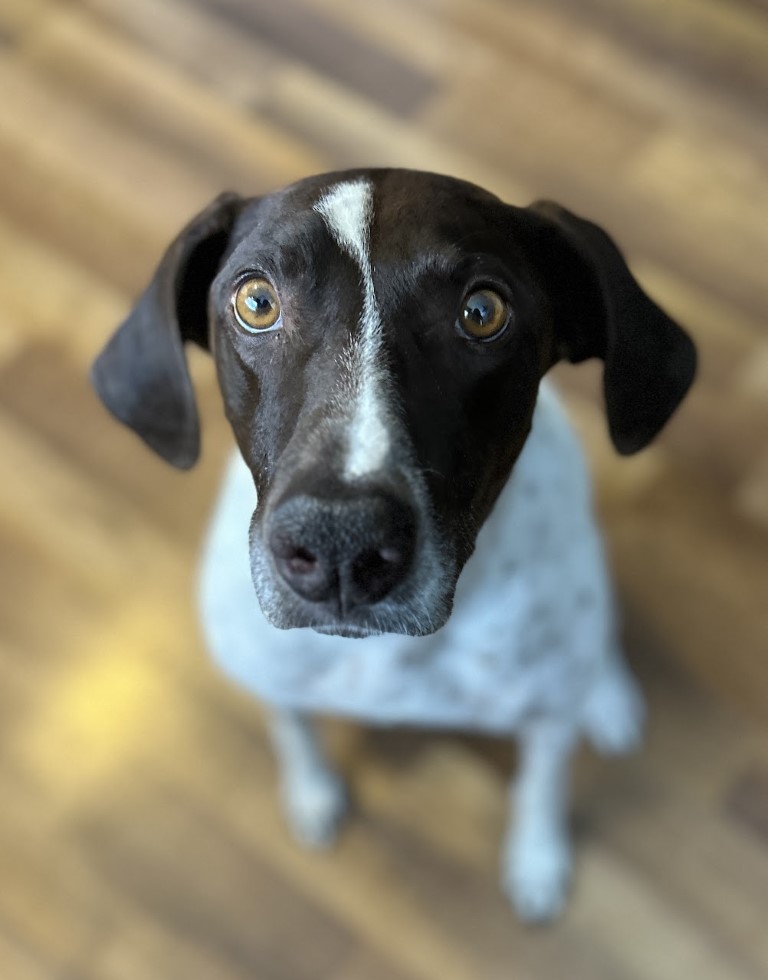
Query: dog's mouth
{"x": 285, "y": 612}
{"x": 346, "y": 630}
{"x": 410, "y": 612}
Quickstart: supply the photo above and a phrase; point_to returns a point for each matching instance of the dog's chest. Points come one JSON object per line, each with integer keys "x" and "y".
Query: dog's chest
{"x": 530, "y": 619}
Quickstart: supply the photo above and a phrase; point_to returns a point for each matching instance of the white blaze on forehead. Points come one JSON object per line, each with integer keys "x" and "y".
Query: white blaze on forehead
{"x": 347, "y": 210}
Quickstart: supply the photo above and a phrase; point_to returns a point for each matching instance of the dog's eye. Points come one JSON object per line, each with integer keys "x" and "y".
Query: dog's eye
{"x": 256, "y": 306}
{"x": 484, "y": 314}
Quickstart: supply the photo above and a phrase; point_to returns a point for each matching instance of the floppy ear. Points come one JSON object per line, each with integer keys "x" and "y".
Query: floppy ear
{"x": 601, "y": 311}
{"x": 141, "y": 375}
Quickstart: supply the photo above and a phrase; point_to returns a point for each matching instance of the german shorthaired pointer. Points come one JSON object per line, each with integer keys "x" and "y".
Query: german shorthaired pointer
{"x": 421, "y": 545}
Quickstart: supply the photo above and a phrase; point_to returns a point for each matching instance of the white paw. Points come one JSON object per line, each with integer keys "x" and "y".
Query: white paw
{"x": 614, "y": 715}
{"x": 315, "y": 803}
{"x": 536, "y": 875}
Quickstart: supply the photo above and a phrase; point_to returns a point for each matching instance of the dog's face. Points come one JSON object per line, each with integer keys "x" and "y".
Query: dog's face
{"x": 379, "y": 338}
{"x": 366, "y": 399}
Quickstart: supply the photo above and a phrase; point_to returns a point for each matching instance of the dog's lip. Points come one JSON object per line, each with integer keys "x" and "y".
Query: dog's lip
{"x": 347, "y": 630}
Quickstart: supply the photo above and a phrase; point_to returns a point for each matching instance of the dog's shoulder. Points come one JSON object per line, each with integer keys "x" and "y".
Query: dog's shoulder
{"x": 547, "y": 499}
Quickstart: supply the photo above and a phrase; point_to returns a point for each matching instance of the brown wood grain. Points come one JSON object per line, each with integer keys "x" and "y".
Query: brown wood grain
{"x": 140, "y": 834}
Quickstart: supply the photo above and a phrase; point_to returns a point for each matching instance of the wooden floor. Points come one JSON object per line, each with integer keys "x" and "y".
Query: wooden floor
{"x": 139, "y": 832}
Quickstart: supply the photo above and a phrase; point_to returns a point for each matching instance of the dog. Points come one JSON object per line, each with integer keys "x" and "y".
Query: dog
{"x": 406, "y": 533}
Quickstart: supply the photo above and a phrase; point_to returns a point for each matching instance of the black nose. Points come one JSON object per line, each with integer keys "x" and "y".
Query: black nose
{"x": 344, "y": 552}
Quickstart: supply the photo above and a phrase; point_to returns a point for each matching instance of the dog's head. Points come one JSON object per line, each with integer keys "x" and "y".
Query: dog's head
{"x": 379, "y": 337}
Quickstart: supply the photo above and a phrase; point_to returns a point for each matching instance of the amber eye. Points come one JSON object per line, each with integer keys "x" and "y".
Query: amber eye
{"x": 484, "y": 314}
{"x": 256, "y": 306}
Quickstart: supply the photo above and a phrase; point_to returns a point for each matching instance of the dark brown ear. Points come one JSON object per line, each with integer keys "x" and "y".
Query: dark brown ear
{"x": 601, "y": 311}
{"x": 141, "y": 375}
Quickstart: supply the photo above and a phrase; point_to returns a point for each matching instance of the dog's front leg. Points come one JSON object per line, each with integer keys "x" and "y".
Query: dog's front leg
{"x": 314, "y": 796}
{"x": 536, "y": 863}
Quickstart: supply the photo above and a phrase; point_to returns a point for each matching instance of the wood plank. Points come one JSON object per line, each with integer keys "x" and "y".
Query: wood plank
{"x": 140, "y": 829}
{"x": 301, "y": 33}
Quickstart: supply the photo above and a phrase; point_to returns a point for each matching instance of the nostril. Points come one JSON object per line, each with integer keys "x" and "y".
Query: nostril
{"x": 301, "y": 567}
{"x": 376, "y": 571}
{"x": 391, "y": 556}
{"x": 287, "y": 550}
{"x": 301, "y": 562}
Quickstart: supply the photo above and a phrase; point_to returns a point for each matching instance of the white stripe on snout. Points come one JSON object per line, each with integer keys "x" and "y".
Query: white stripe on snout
{"x": 347, "y": 210}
